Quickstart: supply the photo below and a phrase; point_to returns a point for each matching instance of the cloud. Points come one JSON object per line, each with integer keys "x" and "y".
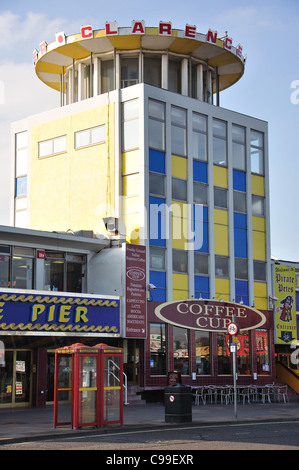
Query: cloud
{"x": 19, "y": 36}
{"x": 22, "y": 93}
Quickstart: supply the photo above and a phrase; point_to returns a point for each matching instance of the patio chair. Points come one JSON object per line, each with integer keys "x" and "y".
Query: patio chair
{"x": 212, "y": 393}
{"x": 200, "y": 396}
{"x": 266, "y": 392}
{"x": 282, "y": 393}
{"x": 253, "y": 393}
{"x": 226, "y": 395}
{"x": 245, "y": 393}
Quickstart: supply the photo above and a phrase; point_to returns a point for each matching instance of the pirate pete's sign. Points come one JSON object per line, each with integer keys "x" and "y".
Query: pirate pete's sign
{"x": 285, "y": 305}
{"x": 209, "y": 315}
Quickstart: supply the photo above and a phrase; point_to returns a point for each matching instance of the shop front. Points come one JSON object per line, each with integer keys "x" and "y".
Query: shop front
{"x": 33, "y": 324}
{"x": 191, "y": 337}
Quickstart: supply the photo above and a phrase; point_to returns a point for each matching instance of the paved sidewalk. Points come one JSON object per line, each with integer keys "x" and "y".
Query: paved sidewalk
{"x": 21, "y": 424}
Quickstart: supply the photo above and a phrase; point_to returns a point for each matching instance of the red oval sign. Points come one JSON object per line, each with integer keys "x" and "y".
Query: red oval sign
{"x": 209, "y": 315}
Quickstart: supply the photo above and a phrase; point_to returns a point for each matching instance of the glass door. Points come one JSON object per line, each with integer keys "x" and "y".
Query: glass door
{"x": 15, "y": 379}
{"x": 22, "y": 376}
{"x": 131, "y": 360}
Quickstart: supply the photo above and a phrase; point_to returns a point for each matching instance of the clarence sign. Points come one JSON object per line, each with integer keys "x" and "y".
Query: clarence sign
{"x": 209, "y": 315}
{"x": 138, "y": 28}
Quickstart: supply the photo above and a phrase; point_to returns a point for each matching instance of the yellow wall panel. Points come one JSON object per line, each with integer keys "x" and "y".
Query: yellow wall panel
{"x": 258, "y": 223}
{"x": 180, "y": 294}
{"x": 179, "y": 167}
{"x": 130, "y": 162}
{"x": 220, "y": 176}
{"x": 66, "y": 193}
{"x": 180, "y": 281}
{"x": 130, "y": 205}
{"x": 260, "y": 304}
{"x": 131, "y": 184}
{"x": 259, "y": 245}
{"x": 179, "y": 233}
{"x": 220, "y": 217}
{"x": 179, "y": 225}
{"x": 260, "y": 295}
{"x": 222, "y": 288}
{"x": 260, "y": 289}
{"x": 258, "y": 185}
{"x": 132, "y": 228}
{"x": 221, "y": 239}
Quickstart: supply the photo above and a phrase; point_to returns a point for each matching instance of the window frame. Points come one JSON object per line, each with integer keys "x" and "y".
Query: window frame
{"x": 89, "y": 132}
{"x": 52, "y": 143}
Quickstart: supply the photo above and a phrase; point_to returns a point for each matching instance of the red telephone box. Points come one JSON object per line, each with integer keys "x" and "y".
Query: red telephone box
{"x": 88, "y": 388}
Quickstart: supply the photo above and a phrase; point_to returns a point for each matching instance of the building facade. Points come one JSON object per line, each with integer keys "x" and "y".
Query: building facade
{"x": 141, "y": 149}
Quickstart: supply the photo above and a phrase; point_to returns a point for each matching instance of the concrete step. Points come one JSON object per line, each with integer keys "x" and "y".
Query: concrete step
{"x": 134, "y": 396}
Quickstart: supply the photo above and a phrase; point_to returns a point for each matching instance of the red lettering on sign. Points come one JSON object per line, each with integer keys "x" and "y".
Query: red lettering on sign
{"x": 239, "y": 51}
{"x": 228, "y": 43}
{"x": 60, "y": 38}
{"x": 212, "y": 36}
{"x": 190, "y": 31}
{"x": 165, "y": 29}
{"x": 138, "y": 27}
{"x": 43, "y": 47}
{"x": 35, "y": 52}
{"x": 111, "y": 28}
{"x": 86, "y": 31}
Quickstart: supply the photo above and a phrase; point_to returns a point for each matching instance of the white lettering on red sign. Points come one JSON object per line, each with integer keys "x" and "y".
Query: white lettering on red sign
{"x": 165, "y": 29}
{"x": 86, "y": 32}
{"x": 40, "y": 254}
{"x": 138, "y": 27}
{"x": 111, "y": 28}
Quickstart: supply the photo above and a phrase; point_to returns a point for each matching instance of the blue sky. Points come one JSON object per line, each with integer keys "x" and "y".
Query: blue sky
{"x": 266, "y": 29}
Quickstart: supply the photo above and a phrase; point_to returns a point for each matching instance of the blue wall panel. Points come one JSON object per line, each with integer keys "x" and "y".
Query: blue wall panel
{"x": 239, "y": 180}
{"x": 240, "y": 239}
{"x": 157, "y": 227}
{"x": 158, "y": 278}
{"x": 156, "y": 161}
{"x": 200, "y": 171}
{"x": 201, "y": 287}
{"x": 241, "y": 291}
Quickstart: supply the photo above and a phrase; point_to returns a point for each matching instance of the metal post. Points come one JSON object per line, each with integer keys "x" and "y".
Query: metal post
{"x": 235, "y": 376}
{"x": 235, "y": 381}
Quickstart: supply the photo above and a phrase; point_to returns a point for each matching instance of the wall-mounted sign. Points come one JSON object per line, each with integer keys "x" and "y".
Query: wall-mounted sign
{"x": 285, "y": 305}
{"x": 135, "y": 317}
{"x": 209, "y": 315}
{"x": 46, "y": 314}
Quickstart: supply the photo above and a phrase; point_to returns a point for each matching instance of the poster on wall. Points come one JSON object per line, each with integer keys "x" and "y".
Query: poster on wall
{"x": 135, "y": 319}
{"x": 285, "y": 305}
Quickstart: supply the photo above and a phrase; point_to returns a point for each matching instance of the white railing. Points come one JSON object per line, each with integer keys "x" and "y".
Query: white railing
{"x": 125, "y": 379}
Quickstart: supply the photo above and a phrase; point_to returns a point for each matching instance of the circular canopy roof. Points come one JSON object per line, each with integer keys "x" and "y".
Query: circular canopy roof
{"x": 50, "y": 65}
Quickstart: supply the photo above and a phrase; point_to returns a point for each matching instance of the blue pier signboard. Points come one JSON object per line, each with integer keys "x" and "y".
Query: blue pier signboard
{"x": 42, "y": 313}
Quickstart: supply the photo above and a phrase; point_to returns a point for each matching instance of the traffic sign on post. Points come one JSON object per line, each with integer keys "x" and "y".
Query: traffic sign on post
{"x": 232, "y": 329}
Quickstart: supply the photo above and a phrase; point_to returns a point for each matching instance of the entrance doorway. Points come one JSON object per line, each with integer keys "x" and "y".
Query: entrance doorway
{"x": 15, "y": 379}
{"x": 131, "y": 360}
{"x": 50, "y": 376}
